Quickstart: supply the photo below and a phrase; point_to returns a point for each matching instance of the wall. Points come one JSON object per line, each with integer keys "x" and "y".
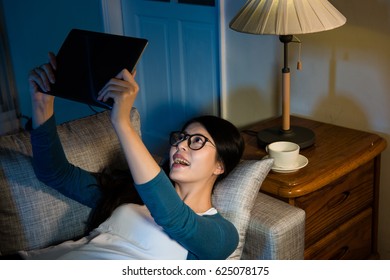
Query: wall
{"x": 36, "y": 27}
{"x": 344, "y": 80}
{"x": 249, "y": 72}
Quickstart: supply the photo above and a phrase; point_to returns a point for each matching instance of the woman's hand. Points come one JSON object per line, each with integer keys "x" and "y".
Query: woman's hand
{"x": 123, "y": 89}
{"x": 40, "y": 80}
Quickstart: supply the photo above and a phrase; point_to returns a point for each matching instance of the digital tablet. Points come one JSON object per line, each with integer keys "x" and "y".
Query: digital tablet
{"x": 87, "y": 60}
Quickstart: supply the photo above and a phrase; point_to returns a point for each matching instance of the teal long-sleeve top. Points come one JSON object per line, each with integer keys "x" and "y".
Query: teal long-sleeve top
{"x": 205, "y": 237}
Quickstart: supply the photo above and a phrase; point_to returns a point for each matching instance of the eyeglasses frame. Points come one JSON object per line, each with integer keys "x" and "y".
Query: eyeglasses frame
{"x": 188, "y": 138}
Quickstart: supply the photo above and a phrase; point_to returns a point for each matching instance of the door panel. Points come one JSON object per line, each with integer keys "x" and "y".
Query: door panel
{"x": 179, "y": 71}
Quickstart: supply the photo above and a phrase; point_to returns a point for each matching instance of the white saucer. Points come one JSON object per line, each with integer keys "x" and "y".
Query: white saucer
{"x": 302, "y": 162}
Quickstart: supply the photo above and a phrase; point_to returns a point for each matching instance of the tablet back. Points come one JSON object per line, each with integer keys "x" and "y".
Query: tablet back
{"x": 87, "y": 60}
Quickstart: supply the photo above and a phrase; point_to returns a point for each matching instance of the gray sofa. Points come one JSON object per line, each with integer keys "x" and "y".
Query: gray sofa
{"x": 34, "y": 216}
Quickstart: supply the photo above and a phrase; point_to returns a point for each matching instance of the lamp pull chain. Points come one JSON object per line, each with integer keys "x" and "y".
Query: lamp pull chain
{"x": 299, "y": 63}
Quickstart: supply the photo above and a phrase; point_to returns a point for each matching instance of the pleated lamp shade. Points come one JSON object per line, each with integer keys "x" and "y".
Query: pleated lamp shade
{"x": 286, "y": 17}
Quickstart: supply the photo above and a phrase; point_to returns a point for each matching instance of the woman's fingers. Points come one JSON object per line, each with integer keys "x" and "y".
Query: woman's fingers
{"x": 110, "y": 92}
{"x": 32, "y": 82}
{"x": 116, "y": 92}
{"x": 112, "y": 86}
{"x": 121, "y": 85}
{"x": 43, "y": 76}
{"x": 52, "y": 60}
{"x": 48, "y": 74}
{"x": 38, "y": 76}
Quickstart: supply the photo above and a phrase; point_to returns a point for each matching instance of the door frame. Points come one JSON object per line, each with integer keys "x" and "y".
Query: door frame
{"x": 113, "y": 23}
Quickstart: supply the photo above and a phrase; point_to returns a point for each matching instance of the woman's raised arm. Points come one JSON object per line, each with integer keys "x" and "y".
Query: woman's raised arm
{"x": 123, "y": 89}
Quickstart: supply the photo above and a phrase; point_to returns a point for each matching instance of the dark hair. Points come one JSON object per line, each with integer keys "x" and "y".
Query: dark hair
{"x": 227, "y": 138}
{"x": 117, "y": 188}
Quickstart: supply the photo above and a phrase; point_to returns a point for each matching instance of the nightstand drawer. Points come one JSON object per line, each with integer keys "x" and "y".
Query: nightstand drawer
{"x": 339, "y": 201}
{"x": 349, "y": 241}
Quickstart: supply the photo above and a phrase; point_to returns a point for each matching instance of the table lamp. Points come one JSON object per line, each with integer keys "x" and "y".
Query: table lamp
{"x": 286, "y": 18}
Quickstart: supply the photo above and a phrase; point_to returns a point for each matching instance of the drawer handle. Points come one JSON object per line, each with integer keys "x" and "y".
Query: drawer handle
{"x": 339, "y": 199}
{"x": 340, "y": 254}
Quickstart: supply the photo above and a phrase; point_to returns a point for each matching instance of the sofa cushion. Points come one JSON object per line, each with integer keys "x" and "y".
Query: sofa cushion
{"x": 33, "y": 215}
{"x": 235, "y": 196}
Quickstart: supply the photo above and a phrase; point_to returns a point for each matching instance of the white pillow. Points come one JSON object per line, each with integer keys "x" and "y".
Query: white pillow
{"x": 235, "y": 196}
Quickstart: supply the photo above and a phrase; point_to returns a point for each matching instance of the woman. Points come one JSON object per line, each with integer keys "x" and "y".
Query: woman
{"x": 175, "y": 222}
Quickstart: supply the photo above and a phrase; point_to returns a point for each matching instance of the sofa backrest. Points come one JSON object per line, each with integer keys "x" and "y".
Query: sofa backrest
{"x": 33, "y": 215}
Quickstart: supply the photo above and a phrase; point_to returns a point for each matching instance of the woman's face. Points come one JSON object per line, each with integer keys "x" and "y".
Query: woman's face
{"x": 192, "y": 166}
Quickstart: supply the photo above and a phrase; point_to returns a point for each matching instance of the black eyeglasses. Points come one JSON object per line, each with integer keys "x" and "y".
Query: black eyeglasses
{"x": 194, "y": 141}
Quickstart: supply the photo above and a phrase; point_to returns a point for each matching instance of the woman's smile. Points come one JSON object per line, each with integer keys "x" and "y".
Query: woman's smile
{"x": 179, "y": 161}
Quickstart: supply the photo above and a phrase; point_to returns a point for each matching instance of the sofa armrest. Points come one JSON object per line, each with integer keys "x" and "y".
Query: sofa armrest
{"x": 276, "y": 231}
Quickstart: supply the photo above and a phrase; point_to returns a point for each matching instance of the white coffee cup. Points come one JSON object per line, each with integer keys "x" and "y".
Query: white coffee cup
{"x": 285, "y": 154}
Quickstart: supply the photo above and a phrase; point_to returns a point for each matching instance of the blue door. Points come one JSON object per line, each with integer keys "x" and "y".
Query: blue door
{"x": 179, "y": 71}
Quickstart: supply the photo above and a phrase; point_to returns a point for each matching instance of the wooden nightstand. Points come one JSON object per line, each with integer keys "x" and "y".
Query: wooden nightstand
{"x": 338, "y": 189}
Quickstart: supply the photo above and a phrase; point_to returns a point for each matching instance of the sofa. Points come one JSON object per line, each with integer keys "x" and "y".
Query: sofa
{"x": 33, "y": 216}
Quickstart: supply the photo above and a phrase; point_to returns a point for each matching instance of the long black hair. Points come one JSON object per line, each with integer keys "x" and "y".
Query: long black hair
{"x": 117, "y": 188}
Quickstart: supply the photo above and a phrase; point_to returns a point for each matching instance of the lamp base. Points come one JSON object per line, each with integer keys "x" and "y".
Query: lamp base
{"x": 302, "y": 136}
